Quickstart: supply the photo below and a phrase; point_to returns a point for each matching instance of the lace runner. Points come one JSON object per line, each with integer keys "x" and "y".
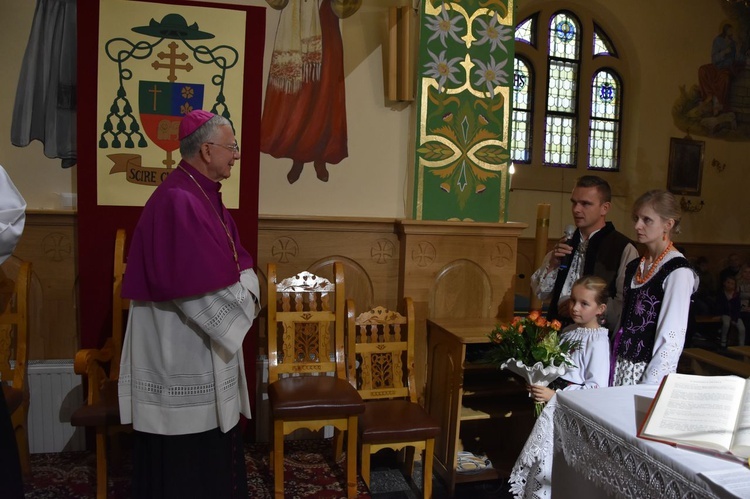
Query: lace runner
{"x": 617, "y": 467}
{"x": 531, "y": 476}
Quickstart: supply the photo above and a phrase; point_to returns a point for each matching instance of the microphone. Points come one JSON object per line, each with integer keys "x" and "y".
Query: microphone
{"x": 569, "y": 231}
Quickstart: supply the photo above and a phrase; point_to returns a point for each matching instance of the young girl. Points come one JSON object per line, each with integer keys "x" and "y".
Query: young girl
{"x": 532, "y": 473}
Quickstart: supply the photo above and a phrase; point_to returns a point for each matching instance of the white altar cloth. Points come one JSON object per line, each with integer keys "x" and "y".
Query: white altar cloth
{"x": 597, "y": 453}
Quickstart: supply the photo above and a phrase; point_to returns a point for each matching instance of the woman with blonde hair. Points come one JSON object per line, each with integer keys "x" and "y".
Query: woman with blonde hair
{"x": 657, "y": 291}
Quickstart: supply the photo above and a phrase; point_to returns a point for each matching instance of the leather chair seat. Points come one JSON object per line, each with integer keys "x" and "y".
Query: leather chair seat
{"x": 313, "y": 397}
{"x": 13, "y": 397}
{"x": 396, "y": 421}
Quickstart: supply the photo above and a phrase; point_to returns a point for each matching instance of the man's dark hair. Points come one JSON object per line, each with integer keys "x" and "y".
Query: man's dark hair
{"x": 605, "y": 192}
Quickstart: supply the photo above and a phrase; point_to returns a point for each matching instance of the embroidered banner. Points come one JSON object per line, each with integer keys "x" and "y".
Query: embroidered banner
{"x": 463, "y": 97}
{"x": 158, "y": 62}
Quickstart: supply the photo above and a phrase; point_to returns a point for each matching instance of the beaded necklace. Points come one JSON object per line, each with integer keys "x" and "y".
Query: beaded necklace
{"x": 639, "y": 278}
{"x": 221, "y": 220}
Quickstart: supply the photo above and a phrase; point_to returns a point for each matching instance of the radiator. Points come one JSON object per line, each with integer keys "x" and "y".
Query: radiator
{"x": 55, "y": 392}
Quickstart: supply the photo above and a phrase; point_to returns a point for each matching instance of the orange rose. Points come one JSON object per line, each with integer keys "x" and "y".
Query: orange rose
{"x": 555, "y": 325}
{"x": 534, "y": 315}
{"x": 516, "y": 320}
{"x": 520, "y": 328}
{"x": 541, "y": 322}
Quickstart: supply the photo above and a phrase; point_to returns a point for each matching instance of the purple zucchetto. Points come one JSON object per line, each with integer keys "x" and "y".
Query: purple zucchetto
{"x": 193, "y": 121}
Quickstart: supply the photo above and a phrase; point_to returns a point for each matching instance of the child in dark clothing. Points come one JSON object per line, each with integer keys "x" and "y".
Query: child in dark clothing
{"x": 728, "y": 307}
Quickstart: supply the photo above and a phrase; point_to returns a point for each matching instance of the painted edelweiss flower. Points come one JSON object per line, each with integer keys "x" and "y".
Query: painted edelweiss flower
{"x": 491, "y": 74}
{"x": 443, "y": 25}
{"x": 442, "y": 69}
{"x": 494, "y": 33}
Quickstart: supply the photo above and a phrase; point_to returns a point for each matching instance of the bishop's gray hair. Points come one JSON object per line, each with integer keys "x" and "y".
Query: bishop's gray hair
{"x": 191, "y": 145}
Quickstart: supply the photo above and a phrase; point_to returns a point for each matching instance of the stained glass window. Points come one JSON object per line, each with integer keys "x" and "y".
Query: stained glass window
{"x": 564, "y": 36}
{"x": 602, "y": 45}
{"x": 604, "y": 126}
{"x": 524, "y": 31}
{"x": 569, "y": 104}
{"x": 559, "y": 140}
{"x": 562, "y": 87}
{"x": 522, "y": 117}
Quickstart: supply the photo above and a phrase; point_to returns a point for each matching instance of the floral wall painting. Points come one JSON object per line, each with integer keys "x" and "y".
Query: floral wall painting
{"x": 463, "y": 97}
{"x": 157, "y": 63}
{"x": 717, "y": 104}
{"x": 304, "y": 113}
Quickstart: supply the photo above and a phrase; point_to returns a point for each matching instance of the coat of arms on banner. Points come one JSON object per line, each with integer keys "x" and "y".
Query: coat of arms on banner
{"x": 156, "y": 64}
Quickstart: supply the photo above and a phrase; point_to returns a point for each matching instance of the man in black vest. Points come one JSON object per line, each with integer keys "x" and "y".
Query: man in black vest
{"x": 596, "y": 248}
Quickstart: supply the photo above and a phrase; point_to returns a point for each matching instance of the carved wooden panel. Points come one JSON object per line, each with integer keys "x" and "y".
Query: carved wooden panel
{"x": 49, "y": 243}
{"x": 368, "y": 248}
{"x": 456, "y": 269}
{"x": 462, "y": 289}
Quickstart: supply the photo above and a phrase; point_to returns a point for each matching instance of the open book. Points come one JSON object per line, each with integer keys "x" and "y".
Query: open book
{"x": 704, "y": 412}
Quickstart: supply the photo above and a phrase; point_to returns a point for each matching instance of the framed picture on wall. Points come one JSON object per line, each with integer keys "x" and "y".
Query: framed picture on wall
{"x": 685, "y": 166}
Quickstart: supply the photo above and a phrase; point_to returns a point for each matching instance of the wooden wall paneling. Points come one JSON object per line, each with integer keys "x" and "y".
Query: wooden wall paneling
{"x": 49, "y": 243}
{"x": 368, "y": 248}
{"x": 462, "y": 289}
{"x": 456, "y": 269}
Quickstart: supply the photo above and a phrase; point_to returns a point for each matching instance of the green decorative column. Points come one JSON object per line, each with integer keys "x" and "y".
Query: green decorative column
{"x": 465, "y": 73}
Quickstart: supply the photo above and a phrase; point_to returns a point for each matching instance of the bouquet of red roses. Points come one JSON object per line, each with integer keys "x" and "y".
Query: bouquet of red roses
{"x": 531, "y": 347}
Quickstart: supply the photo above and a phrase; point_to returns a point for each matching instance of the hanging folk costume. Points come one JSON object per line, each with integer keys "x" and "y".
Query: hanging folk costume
{"x": 304, "y": 115}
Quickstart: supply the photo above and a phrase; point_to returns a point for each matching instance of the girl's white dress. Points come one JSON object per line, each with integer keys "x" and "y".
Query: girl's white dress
{"x": 531, "y": 476}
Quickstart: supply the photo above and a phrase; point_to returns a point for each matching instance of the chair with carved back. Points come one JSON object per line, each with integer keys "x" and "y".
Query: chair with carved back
{"x": 14, "y": 347}
{"x": 307, "y": 384}
{"x": 380, "y": 349}
{"x": 101, "y": 367}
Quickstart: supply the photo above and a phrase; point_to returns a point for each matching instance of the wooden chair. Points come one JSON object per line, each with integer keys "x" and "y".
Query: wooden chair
{"x": 14, "y": 346}
{"x": 380, "y": 346}
{"x": 307, "y": 385}
{"x": 101, "y": 366}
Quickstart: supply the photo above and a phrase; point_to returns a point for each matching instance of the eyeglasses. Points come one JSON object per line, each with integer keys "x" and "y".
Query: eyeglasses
{"x": 235, "y": 148}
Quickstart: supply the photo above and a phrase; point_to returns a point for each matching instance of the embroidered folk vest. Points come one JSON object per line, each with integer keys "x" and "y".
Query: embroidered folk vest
{"x": 640, "y": 312}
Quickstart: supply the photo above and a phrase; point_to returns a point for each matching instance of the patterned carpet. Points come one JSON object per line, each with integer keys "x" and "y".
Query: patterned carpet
{"x": 309, "y": 471}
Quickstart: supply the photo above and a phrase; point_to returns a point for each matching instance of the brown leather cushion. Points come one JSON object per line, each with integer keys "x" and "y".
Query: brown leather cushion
{"x": 13, "y": 397}
{"x": 396, "y": 421}
{"x": 313, "y": 397}
{"x": 105, "y": 412}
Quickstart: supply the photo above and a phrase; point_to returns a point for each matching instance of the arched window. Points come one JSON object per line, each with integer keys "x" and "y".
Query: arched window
{"x": 568, "y": 66}
{"x": 523, "y": 88}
